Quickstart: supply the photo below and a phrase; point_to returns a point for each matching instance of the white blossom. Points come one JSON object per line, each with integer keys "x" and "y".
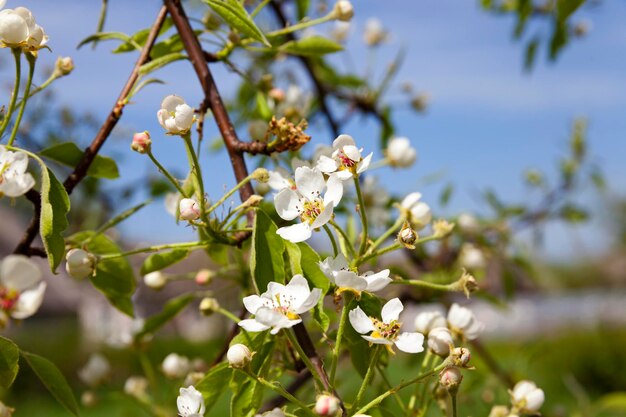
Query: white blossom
{"x": 417, "y": 212}
{"x": 79, "y": 264}
{"x": 21, "y": 287}
{"x": 400, "y": 153}
{"x": 14, "y": 180}
{"x": 19, "y": 29}
{"x": 175, "y": 115}
{"x": 307, "y": 202}
{"x": 428, "y": 320}
{"x": 175, "y": 365}
{"x": 374, "y": 33}
{"x": 386, "y": 332}
{"x": 468, "y": 223}
{"x": 95, "y": 371}
{"x": 439, "y": 341}
{"x": 190, "y": 402}
{"x": 346, "y": 161}
{"x": 471, "y": 257}
{"x": 343, "y": 10}
{"x": 340, "y": 274}
{"x": 155, "y": 280}
{"x": 280, "y": 306}
{"x": 238, "y": 356}
{"x": 188, "y": 209}
{"x": 527, "y": 397}
{"x": 461, "y": 320}
{"x": 136, "y": 386}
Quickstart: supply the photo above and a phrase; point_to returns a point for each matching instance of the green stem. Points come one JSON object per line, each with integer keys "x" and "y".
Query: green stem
{"x": 342, "y": 325}
{"x": 345, "y": 237}
{"x": 429, "y": 285}
{"x": 307, "y": 362}
{"x": 453, "y": 396}
{"x": 230, "y": 193}
{"x": 362, "y": 211}
{"x": 368, "y": 377}
{"x": 386, "y": 235}
{"x": 391, "y": 248}
{"x": 167, "y": 174}
{"x": 17, "y": 54}
{"x": 156, "y": 248}
{"x": 332, "y": 239}
{"x": 258, "y": 8}
{"x": 228, "y": 315}
{"x": 388, "y": 385}
{"x": 194, "y": 165}
{"x": 29, "y": 82}
{"x": 279, "y": 390}
{"x": 376, "y": 401}
{"x": 301, "y": 25}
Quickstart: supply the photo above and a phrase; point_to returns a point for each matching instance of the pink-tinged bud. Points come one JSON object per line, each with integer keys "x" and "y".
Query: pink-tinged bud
{"x": 450, "y": 378}
{"x": 189, "y": 209}
{"x": 277, "y": 94}
{"x": 204, "y": 277}
{"x": 141, "y": 142}
{"x": 326, "y": 405}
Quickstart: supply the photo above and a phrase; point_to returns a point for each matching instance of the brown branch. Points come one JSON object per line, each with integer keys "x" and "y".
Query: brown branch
{"x": 309, "y": 66}
{"x": 80, "y": 171}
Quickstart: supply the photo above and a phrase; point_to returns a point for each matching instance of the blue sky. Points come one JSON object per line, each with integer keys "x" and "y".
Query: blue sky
{"x": 487, "y": 123}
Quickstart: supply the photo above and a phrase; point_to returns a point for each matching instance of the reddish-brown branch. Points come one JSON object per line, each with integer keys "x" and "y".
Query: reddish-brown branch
{"x": 80, "y": 171}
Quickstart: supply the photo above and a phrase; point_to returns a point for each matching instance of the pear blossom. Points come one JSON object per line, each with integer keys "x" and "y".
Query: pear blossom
{"x": 400, "y": 153}
{"x": 155, "y": 280}
{"x": 428, "y": 320}
{"x": 340, "y": 274}
{"x": 64, "y": 65}
{"x": 175, "y": 365}
{"x": 461, "y": 320}
{"x": 346, "y": 161}
{"x": 343, "y": 10}
{"x": 280, "y": 306}
{"x": 21, "y": 287}
{"x": 95, "y": 371}
{"x": 374, "y": 33}
{"x": 439, "y": 341}
{"x": 471, "y": 257}
{"x": 387, "y": 331}
{"x": 14, "y": 180}
{"x": 136, "y": 386}
{"x": 238, "y": 356}
{"x": 294, "y": 105}
{"x": 527, "y": 397}
{"x": 450, "y": 378}
{"x": 468, "y": 223}
{"x": 190, "y": 402}
{"x": 79, "y": 264}
{"x": 188, "y": 209}
{"x": 19, "y": 30}
{"x": 175, "y": 115}
{"x": 416, "y": 211}
{"x": 307, "y": 202}
{"x": 326, "y": 405}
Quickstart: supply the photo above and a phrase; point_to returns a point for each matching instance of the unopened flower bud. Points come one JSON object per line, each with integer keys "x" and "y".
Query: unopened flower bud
{"x": 261, "y": 175}
{"x": 193, "y": 378}
{"x": 326, "y": 405}
{"x": 141, "y": 142}
{"x": 277, "y": 94}
{"x": 252, "y": 201}
{"x": 407, "y": 236}
{"x": 204, "y": 277}
{"x": 468, "y": 223}
{"x": 155, "y": 280}
{"x": 420, "y": 102}
{"x": 64, "y": 65}
{"x": 89, "y": 398}
{"x": 79, "y": 264}
{"x": 461, "y": 356}
{"x": 450, "y": 378}
{"x": 188, "y": 209}
{"x": 499, "y": 411}
{"x": 95, "y": 371}
{"x": 400, "y": 153}
{"x": 5, "y": 411}
{"x": 239, "y": 356}
{"x": 136, "y": 386}
{"x": 440, "y": 340}
{"x": 471, "y": 257}
{"x": 175, "y": 365}
{"x": 343, "y": 10}
{"x": 208, "y": 306}
{"x": 442, "y": 228}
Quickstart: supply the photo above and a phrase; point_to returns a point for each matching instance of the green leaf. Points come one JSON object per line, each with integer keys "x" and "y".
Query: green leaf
{"x": 55, "y": 204}
{"x": 573, "y": 214}
{"x": 170, "y": 310}
{"x": 9, "y": 362}
{"x": 159, "y": 261}
{"x": 266, "y": 254}
{"x": 614, "y": 401}
{"x": 160, "y": 62}
{"x": 565, "y": 8}
{"x": 121, "y": 217}
{"x": 69, "y": 154}
{"x": 294, "y": 256}
{"x": 113, "y": 277}
{"x": 309, "y": 261}
{"x": 531, "y": 53}
{"x": 311, "y": 46}
{"x": 139, "y": 38}
{"x": 212, "y": 385}
{"x": 446, "y": 194}
{"x": 53, "y": 380}
{"x": 302, "y": 7}
{"x": 103, "y": 36}
{"x": 233, "y": 13}
{"x": 140, "y": 86}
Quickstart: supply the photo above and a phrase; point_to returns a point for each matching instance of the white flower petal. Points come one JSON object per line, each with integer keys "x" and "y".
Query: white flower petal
{"x": 286, "y": 203}
{"x": 295, "y": 233}
{"x": 391, "y": 310}
{"x": 410, "y": 200}
{"x": 360, "y": 322}
{"x": 323, "y": 218}
{"x": 378, "y": 281}
{"x": 29, "y": 302}
{"x": 184, "y": 116}
{"x": 310, "y": 302}
{"x": 377, "y": 340}
{"x": 364, "y": 164}
{"x": 251, "y": 325}
{"x": 19, "y": 273}
{"x": 253, "y": 302}
{"x": 326, "y": 164}
{"x": 410, "y": 342}
{"x": 170, "y": 102}
{"x": 349, "y": 279}
{"x": 334, "y": 190}
{"x": 297, "y": 290}
{"x": 343, "y": 140}
{"x": 309, "y": 182}
{"x": 278, "y": 180}
{"x": 352, "y": 152}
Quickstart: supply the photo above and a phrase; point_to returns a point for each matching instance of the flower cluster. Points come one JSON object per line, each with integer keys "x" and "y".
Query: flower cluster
{"x": 18, "y": 29}
{"x": 14, "y": 180}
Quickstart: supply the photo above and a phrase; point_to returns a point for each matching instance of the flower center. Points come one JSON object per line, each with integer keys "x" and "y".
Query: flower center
{"x": 311, "y": 210}
{"x": 4, "y": 168}
{"x": 8, "y": 298}
{"x": 283, "y": 306}
{"x": 346, "y": 162}
{"x": 387, "y": 331}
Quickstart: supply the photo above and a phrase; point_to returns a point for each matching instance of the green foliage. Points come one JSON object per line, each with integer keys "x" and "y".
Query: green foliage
{"x": 311, "y": 46}
{"x": 53, "y": 380}
{"x": 266, "y": 253}
{"x": 9, "y": 362}
{"x": 113, "y": 277}
{"x": 236, "y": 16}
{"x": 212, "y": 385}
{"x": 69, "y": 154}
{"x": 160, "y": 62}
{"x": 170, "y": 310}
{"x": 161, "y": 260}
{"x": 55, "y": 204}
